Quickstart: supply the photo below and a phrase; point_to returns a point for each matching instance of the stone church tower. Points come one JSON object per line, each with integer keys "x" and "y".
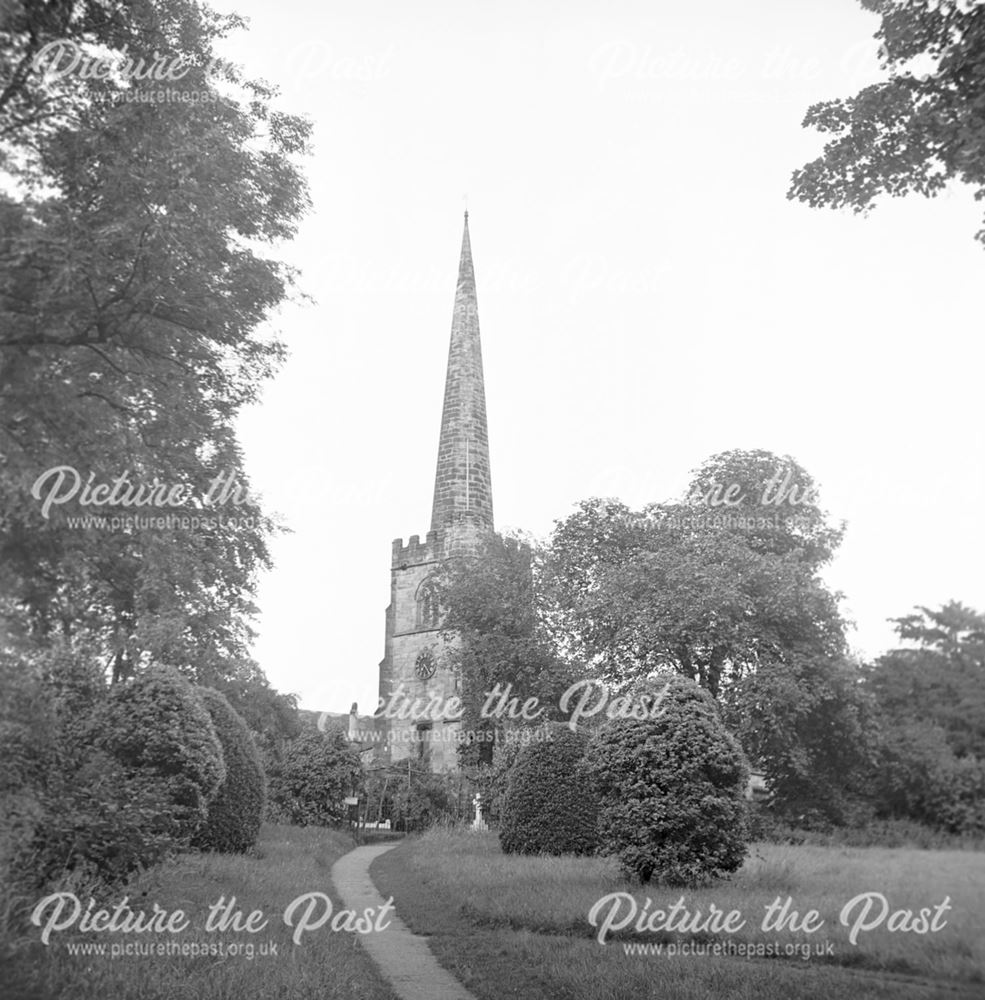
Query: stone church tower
{"x": 415, "y": 661}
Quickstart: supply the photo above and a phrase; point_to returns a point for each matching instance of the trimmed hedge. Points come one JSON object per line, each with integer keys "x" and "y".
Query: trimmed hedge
{"x": 671, "y": 787}
{"x": 156, "y": 727}
{"x": 236, "y": 812}
{"x": 550, "y": 806}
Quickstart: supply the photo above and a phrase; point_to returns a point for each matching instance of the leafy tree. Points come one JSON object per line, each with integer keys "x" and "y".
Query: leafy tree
{"x": 931, "y": 720}
{"x": 809, "y": 725}
{"x": 910, "y": 753}
{"x": 550, "y": 806}
{"x": 134, "y": 283}
{"x": 940, "y": 679}
{"x": 671, "y": 787}
{"x": 915, "y": 131}
{"x": 318, "y": 772}
{"x": 272, "y": 717}
{"x": 491, "y": 611}
{"x": 918, "y": 777}
{"x": 775, "y": 495}
{"x": 709, "y": 592}
{"x": 237, "y": 810}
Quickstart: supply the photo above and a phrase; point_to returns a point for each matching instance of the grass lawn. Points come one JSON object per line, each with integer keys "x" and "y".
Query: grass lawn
{"x": 518, "y": 926}
{"x": 292, "y": 861}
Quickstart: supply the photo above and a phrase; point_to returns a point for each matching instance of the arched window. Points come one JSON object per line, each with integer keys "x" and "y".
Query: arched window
{"x": 428, "y": 610}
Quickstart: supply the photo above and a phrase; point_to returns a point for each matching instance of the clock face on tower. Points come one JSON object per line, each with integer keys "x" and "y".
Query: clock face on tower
{"x": 425, "y": 665}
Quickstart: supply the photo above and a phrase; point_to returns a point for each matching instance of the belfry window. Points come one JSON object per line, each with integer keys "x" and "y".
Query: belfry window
{"x": 428, "y": 611}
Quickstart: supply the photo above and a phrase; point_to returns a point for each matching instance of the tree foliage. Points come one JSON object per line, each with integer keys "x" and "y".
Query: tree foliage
{"x": 135, "y": 279}
{"x": 915, "y": 131}
{"x": 940, "y": 679}
{"x": 137, "y": 273}
{"x": 319, "y": 770}
{"x": 671, "y": 787}
{"x": 930, "y": 699}
{"x": 491, "y": 612}
{"x": 810, "y": 726}
{"x": 711, "y": 592}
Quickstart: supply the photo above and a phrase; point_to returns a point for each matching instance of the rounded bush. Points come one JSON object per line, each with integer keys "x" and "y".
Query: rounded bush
{"x": 70, "y": 807}
{"x": 156, "y": 727}
{"x": 671, "y": 787}
{"x": 319, "y": 770}
{"x": 102, "y": 821}
{"x": 236, "y": 811}
{"x": 549, "y": 806}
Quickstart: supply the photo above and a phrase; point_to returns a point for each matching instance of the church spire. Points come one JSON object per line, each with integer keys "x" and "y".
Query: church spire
{"x": 462, "y": 484}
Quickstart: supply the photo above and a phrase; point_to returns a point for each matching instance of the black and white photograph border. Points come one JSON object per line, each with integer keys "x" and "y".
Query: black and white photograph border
{"x": 627, "y": 643}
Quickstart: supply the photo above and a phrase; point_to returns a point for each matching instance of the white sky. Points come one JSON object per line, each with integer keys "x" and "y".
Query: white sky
{"x": 647, "y": 296}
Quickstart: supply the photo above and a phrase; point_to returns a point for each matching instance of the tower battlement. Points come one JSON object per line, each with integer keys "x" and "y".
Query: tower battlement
{"x": 416, "y": 551}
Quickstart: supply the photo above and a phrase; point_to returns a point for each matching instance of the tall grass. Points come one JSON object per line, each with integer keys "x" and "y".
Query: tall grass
{"x": 877, "y": 833}
{"x": 290, "y": 861}
{"x": 553, "y": 895}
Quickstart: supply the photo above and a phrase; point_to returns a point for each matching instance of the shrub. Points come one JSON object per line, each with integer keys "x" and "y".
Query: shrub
{"x": 26, "y": 727}
{"x": 920, "y": 779}
{"x": 549, "y": 806}
{"x": 157, "y": 730}
{"x": 71, "y": 805}
{"x": 958, "y": 798}
{"x": 909, "y": 765}
{"x": 671, "y": 788}
{"x": 236, "y": 812}
{"x": 430, "y": 800}
{"x": 102, "y": 822}
{"x": 319, "y": 770}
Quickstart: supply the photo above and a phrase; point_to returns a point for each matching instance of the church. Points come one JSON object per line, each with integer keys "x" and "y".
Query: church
{"x": 415, "y": 663}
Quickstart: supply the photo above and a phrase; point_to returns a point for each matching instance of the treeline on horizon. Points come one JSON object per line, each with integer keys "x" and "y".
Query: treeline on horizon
{"x": 622, "y": 596}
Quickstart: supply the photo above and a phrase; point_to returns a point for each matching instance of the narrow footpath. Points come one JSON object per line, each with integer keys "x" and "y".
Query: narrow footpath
{"x": 403, "y": 958}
